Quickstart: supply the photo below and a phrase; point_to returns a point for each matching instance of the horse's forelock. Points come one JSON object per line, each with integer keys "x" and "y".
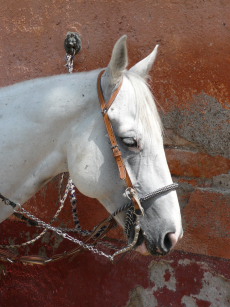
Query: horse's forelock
{"x": 146, "y": 109}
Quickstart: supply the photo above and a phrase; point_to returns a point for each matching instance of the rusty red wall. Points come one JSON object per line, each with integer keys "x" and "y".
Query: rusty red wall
{"x": 191, "y": 82}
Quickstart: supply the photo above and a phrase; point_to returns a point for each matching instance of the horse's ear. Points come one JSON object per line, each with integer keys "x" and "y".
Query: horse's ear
{"x": 119, "y": 59}
{"x": 143, "y": 67}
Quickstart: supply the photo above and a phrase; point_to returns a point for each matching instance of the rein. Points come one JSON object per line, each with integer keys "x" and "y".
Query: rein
{"x": 134, "y": 210}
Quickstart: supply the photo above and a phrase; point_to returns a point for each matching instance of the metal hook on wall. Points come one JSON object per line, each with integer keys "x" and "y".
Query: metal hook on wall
{"x": 73, "y": 46}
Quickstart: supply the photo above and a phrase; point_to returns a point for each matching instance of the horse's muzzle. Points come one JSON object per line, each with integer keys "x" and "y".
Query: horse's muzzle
{"x": 145, "y": 247}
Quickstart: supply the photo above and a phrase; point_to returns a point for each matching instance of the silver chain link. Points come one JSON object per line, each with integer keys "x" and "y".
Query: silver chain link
{"x": 89, "y": 247}
{"x": 62, "y": 202}
{"x": 63, "y": 234}
{"x": 63, "y": 231}
{"x": 69, "y": 62}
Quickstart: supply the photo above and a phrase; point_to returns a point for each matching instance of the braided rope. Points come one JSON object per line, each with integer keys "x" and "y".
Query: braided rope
{"x": 73, "y": 200}
{"x": 130, "y": 212}
{"x": 121, "y": 209}
{"x": 129, "y": 220}
{"x": 160, "y": 191}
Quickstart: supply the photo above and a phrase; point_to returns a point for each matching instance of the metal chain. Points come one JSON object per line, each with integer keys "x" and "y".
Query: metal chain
{"x": 78, "y": 229}
{"x": 89, "y": 247}
{"x": 109, "y": 245}
{"x": 130, "y": 219}
{"x": 65, "y": 235}
{"x": 60, "y": 230}
{"x": 62, "y": 201}
{"x": 69, "y": 62}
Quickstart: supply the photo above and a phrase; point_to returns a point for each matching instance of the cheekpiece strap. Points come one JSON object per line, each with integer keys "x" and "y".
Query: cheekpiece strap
{"x": 104, "y": 108}
{"x": 114, "y": 145}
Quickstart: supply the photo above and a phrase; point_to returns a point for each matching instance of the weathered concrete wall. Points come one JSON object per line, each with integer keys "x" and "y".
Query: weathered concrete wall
{"x": 191, "y": 83}
{"x": 177, "y": 280}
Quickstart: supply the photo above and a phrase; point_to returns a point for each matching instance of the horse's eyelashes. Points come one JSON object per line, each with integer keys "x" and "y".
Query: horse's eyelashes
{"x": 129, "y": 141}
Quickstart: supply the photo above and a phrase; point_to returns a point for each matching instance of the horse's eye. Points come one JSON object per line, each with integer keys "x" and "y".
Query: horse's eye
{"x": 129, "y": 142}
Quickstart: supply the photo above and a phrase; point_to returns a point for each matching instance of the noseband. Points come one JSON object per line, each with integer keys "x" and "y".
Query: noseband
{"x": 134, "y": 209}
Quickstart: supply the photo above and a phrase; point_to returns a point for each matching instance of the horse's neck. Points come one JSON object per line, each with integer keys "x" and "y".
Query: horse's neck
{"x": 37, "y": 119}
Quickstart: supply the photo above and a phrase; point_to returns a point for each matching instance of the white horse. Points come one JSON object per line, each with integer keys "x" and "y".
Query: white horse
{"x": 53, "y": 125}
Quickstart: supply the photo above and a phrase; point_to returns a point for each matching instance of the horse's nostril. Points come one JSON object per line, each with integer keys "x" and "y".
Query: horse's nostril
{"x": 170, "y": 241}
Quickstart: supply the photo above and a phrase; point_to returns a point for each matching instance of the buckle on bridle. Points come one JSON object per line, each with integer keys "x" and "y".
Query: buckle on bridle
{"x": 133, "y": 196}
{"x": 104, "y": 111}
{"x": 129, "y": 193}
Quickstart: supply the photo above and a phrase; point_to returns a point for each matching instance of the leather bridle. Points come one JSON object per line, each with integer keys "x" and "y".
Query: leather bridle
{"x": 124, "y": 175}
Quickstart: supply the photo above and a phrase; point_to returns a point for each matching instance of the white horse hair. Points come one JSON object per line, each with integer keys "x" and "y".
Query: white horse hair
{"x": 53, "y": 125}
{"x": 146, "y": 110}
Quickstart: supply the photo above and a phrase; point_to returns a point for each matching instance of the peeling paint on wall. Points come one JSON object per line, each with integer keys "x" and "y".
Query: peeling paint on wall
{"x": 206, "y": 124}
{"x": 162, "y": 275}
{"x": 215, "y": 291}
{"x": 190, "y": 283}
{"x": 191, "y": 83}
{"x": 141, "y": 297}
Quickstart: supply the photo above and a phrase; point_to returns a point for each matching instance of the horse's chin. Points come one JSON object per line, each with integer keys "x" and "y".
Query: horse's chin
{"x": 142, "y": 249}
{"x": 141, "y": 245}
{"x": 145, "y": 251}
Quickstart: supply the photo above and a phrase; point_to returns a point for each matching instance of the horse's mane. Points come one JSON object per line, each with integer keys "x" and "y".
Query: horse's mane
{"x": 147, "y": 113}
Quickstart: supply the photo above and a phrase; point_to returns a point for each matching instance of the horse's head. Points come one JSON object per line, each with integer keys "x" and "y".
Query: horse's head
{"x": 138, "y": 129}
